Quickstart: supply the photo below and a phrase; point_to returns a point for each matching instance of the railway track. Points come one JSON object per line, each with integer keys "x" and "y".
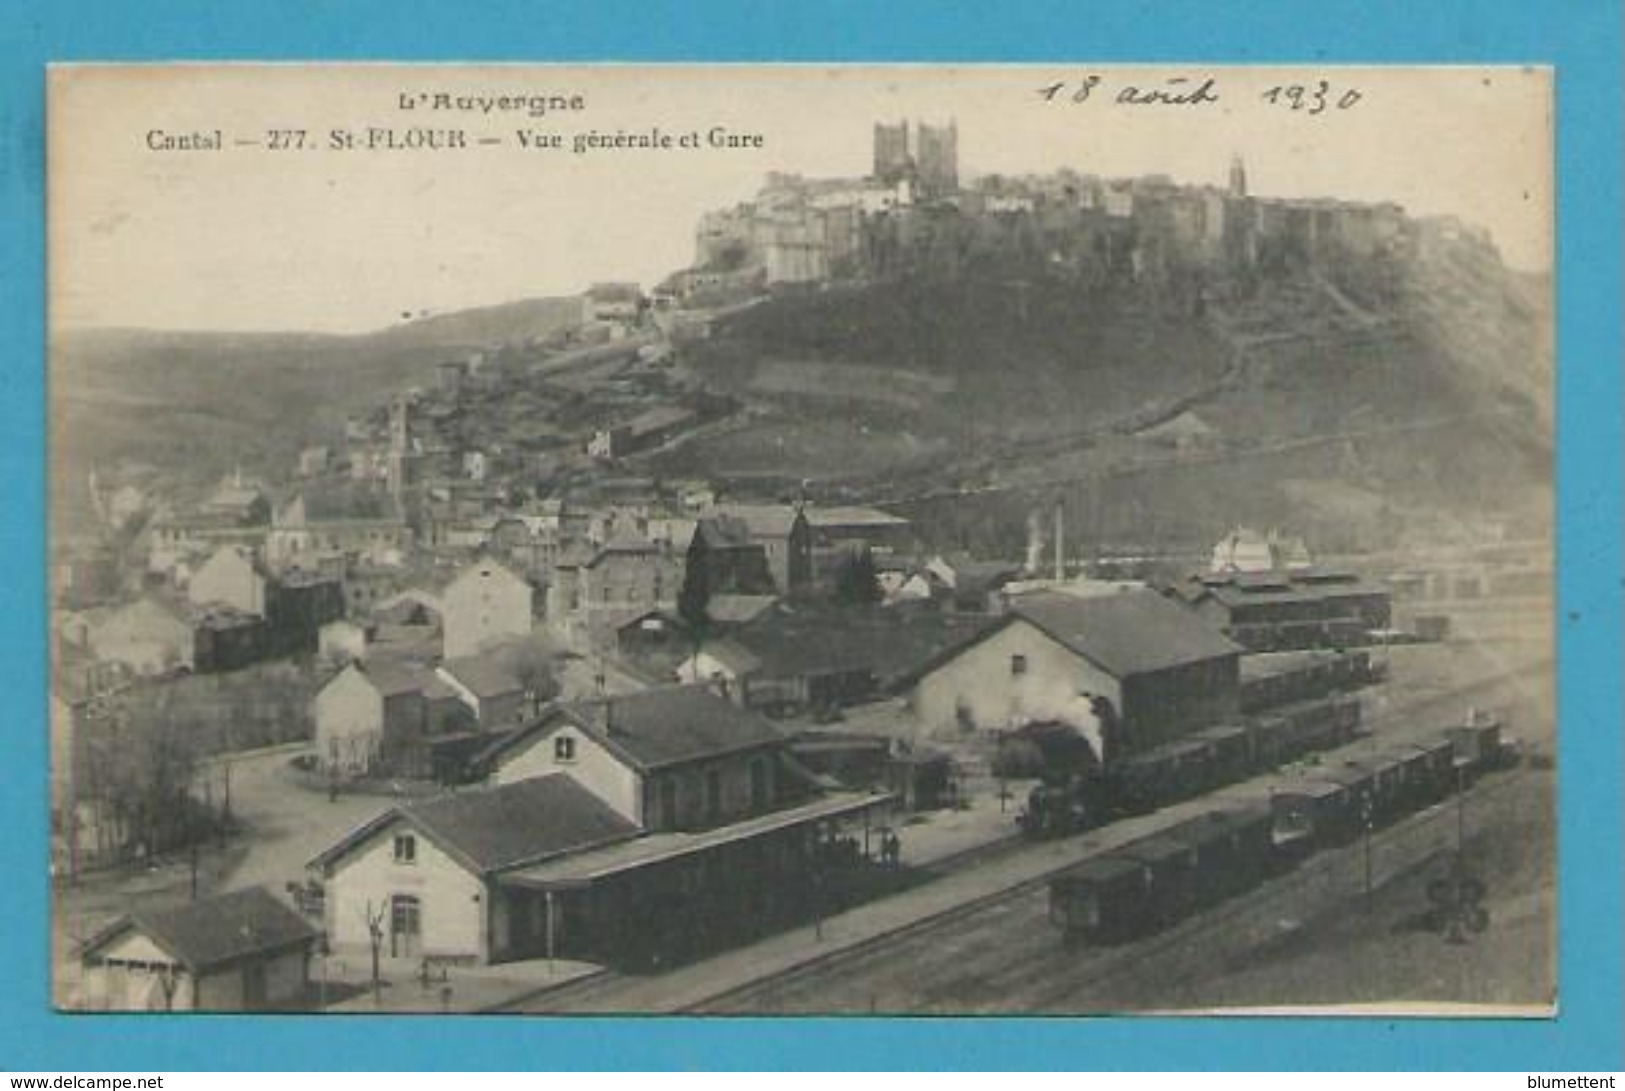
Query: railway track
{"x": 1022, "y": 903}
{"x": 943, "y": 965}
{"x": 1025, "y": 903}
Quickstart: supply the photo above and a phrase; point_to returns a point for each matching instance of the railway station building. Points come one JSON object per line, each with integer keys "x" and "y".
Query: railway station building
{"x": 1161, "y": 671}
{"x": 633, "y": 831}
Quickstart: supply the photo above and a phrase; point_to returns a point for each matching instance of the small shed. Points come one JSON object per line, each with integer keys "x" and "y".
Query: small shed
{"x": 243, "y": 951}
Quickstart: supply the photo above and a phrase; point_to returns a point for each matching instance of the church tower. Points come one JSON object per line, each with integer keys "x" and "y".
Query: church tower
{"x": 1238, "y": 177}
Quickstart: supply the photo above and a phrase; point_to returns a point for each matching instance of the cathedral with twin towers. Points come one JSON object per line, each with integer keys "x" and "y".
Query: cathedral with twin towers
{"x": 926, "y": 155}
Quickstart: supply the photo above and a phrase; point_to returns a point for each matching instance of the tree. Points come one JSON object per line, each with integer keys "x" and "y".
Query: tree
{"x": 856, "y": 582}
{"x": 375, "y": 937}
{"x": 141, "y": 773}
{"x": 533, "y": 669}
{"x": 694, "y": 599}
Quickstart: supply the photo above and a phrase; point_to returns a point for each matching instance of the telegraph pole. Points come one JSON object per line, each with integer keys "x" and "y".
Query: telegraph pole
{"x": 1367, "y": 820}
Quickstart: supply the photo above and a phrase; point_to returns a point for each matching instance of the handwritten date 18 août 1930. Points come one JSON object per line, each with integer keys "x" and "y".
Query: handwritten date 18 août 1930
{"x": 1311, "y": 97}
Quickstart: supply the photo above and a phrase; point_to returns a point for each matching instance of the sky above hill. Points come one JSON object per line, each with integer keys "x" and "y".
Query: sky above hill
{"x": 290, "y": 233}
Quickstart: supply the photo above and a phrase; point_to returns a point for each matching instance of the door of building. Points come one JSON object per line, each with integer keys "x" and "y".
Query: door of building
{"x": 405, "y": 927}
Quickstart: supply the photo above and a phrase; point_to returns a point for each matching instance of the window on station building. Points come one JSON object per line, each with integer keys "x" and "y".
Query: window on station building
{"x": 1018, "y": 665}
{"x": 406, "y": 849}
{"x": 564, "y": 748}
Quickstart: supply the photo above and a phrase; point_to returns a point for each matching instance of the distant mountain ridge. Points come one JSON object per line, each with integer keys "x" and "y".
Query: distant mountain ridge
{"x": 194, "y": 403}
{"x": 468, "y": 328}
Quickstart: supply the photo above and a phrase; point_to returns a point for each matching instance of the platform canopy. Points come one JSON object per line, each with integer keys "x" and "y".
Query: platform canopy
{"x": 583, "y": 869}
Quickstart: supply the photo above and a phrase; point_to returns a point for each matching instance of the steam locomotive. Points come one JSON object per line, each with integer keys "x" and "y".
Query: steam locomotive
{"x": 1285, "y": 716}
{"x": 1069, "y": 801}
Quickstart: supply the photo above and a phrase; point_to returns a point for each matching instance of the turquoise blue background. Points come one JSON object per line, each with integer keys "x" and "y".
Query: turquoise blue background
{"x": 1581, "y": 38}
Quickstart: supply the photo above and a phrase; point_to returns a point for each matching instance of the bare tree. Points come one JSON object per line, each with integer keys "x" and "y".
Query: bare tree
{"x": 375, "y": 936}
{"x": 533, "y": 669}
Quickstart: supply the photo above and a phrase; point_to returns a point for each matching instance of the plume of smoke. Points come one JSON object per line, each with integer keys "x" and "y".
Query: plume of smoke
{"x": 1059, "y": 703}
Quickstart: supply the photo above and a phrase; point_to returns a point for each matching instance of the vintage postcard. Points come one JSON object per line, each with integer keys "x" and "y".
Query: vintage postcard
{"x": 1056, "y": 539}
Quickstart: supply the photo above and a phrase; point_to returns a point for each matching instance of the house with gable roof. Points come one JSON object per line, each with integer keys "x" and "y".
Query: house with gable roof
{"x": 429, "y": 869}
{"x": 242, "y": 951}
{"x": 327, "y": 521}
{"x": 484, "y": 604}
{"x": 671, "y": 757}
{"x": 627, "y": 831}
{"x": 385, "y": 717}
{"x": 1163, "y": 671}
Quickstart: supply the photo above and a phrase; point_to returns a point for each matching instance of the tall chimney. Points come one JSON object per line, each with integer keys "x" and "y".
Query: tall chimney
{"x": 1060, "y": 542}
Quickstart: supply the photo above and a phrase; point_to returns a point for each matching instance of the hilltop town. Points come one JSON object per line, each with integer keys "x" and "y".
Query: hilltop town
{"x": 728, "y": 604}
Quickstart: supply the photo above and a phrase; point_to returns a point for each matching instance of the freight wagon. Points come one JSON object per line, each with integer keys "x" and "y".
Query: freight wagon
{"x": 1155, "y": 881}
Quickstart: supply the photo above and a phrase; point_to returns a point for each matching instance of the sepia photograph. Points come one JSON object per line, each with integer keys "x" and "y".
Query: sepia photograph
{"x": 800, "y": 540}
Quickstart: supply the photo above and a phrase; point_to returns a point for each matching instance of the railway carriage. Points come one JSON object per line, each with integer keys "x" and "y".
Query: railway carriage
{"x": 1171, "y": 877}
{"x": 1159, "y": 879}
{"x": 1377, "y": 784}
{"x": 1271, "y": 741}
{"x": 1143, "y": 782}
{"x": 1416, "y": 778}
{"x": 1308, "y": 814}
{"x": 1438, "y": 770}
{"x": 1192, "y": 768}
{"x": 1232, "y": 850}
{"x": 1100, "y": 900}
{"x": 1321, "y": 725}
{"x": 1359, "y": 782}
{"x": 1231, "y": 751}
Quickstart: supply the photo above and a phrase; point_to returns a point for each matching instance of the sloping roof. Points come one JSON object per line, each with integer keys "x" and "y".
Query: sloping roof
{"x": 658, "y": 848}
{"x": 738, "y": 609}
{"x": 1133, "y": 632}
{"x": 484, "y": 675}
{"x": 724, "y": 532}
{"x": 490, "y": 829}
{"x": 203, "y": 934}
{"x": 852, "y": 517}
{"x": 145, "y": 611}
{"x": 763, "y": 520}
{"x": 392, "y": 679}
{"x": 884, "y": 643}
{"x": 339, "y": 505}
{"x": 622, "y": 547}
{"x": 657, "y": 727}
{"x": 732, "y": 656}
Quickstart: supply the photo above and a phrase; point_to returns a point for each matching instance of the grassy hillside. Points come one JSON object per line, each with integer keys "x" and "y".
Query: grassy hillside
{"x": 1023, "y": 357}
{"x": 191, "y": 405}
{"x": 1363, "y": 426}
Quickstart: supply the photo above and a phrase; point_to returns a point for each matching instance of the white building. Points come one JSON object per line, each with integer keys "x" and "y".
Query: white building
{"x": 243, "y": 951}
{"x": 428, "y": 870}
{"x": 484, "y": 604}
{"x": 229, "y": 577}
